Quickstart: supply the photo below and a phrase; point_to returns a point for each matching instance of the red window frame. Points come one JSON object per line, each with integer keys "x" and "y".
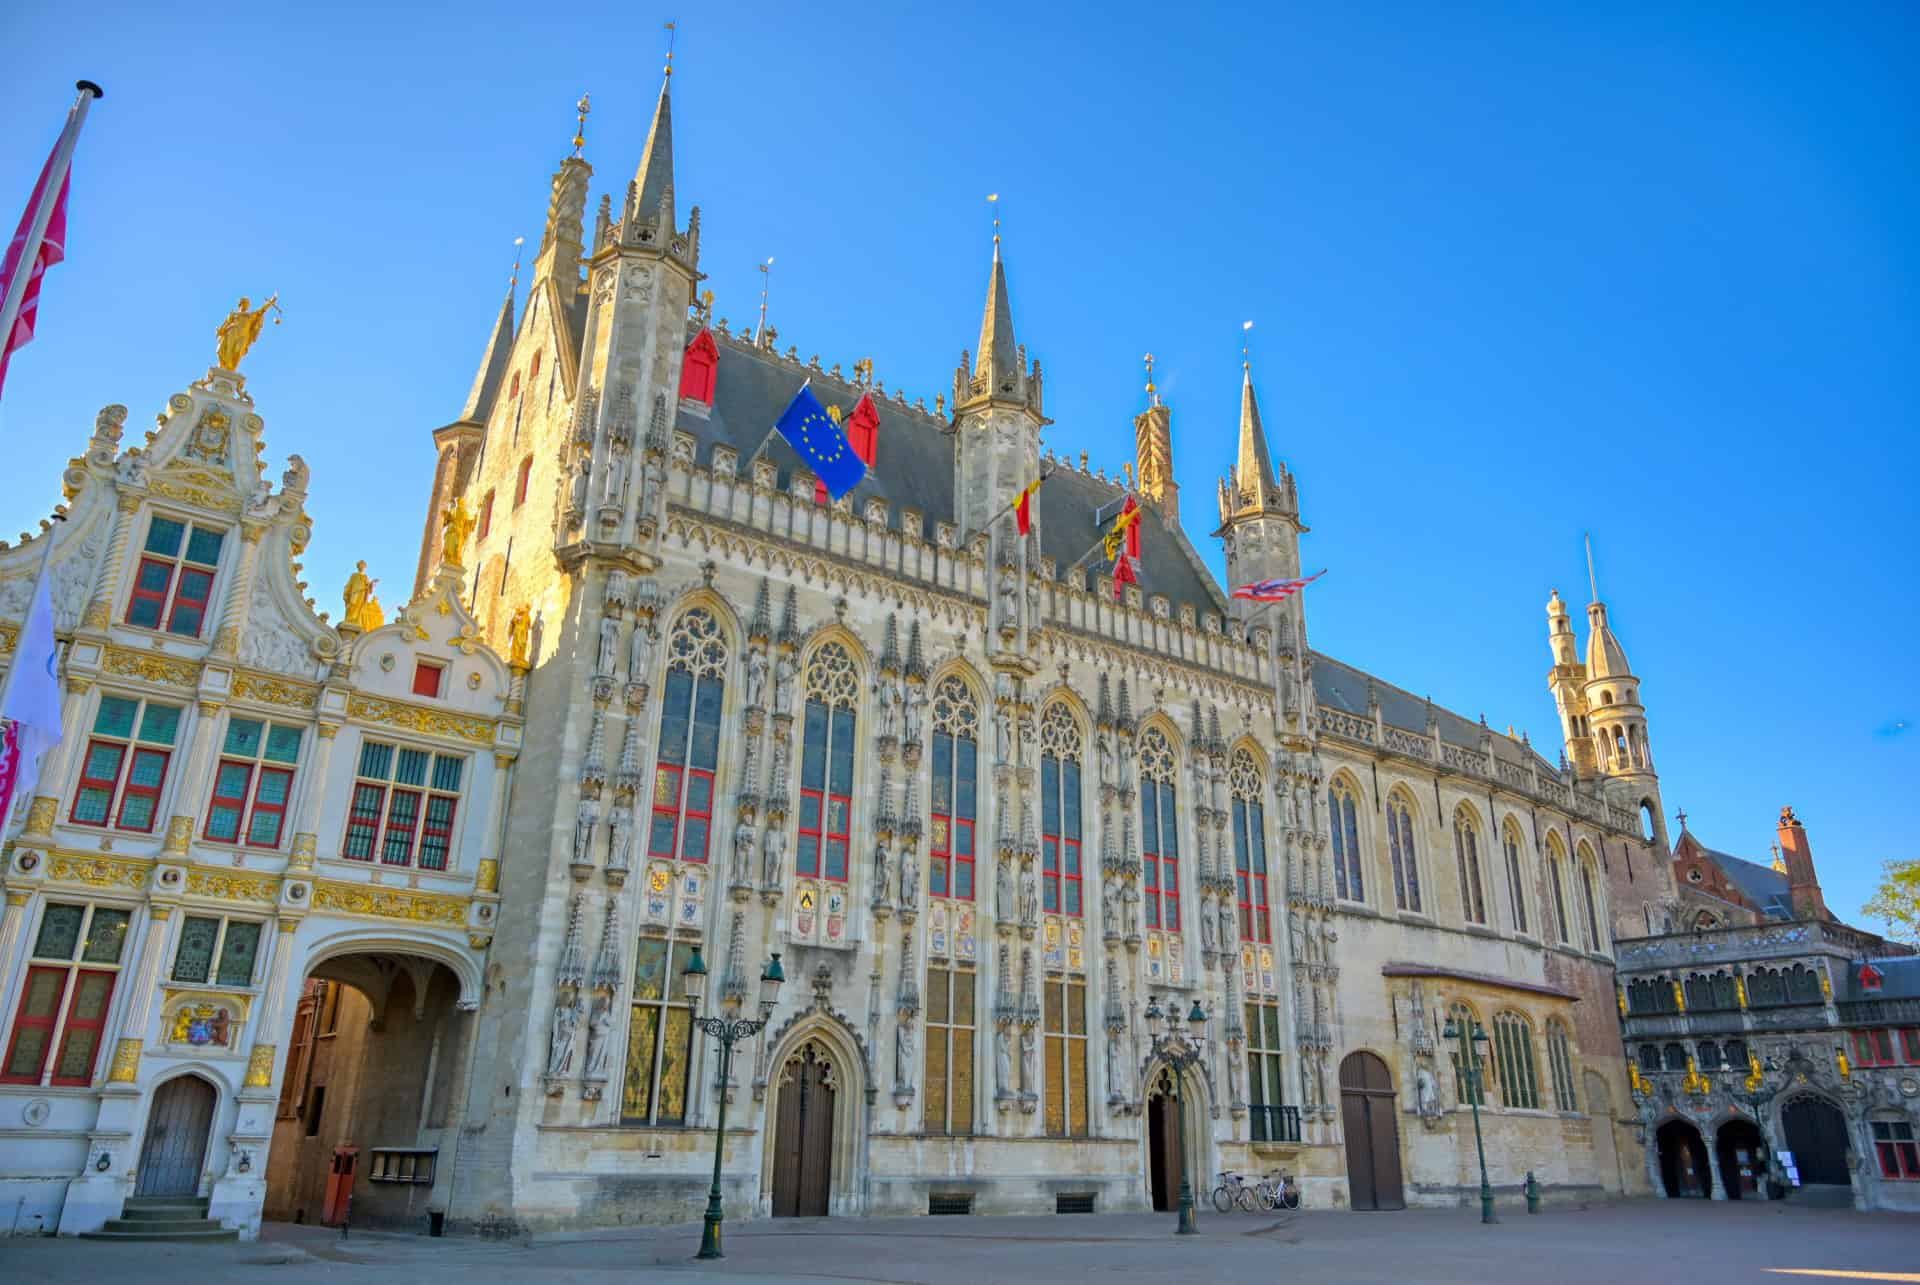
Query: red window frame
{"x": 1161, "y": 886}
{"x": 397, "y": 824}
{"x": 364, "y": 814}
{"x": 1899, "y": 1157}
{"x": 486, "y": 515}
{"x": 236, "y": 802}
{"x": 202, "y": 579}
{"x": 422, "y": 669}
{"x": 1910, "y": 1043}
{"x": 1874, "y": 1048}
{"x": 671, "y": 804}
{"x": 111, "y": 784}
{"x": 520, "y": 483}
{"x": 97, "y": 1025}
{"x": 158, "y": 597}
{"x": 436, "y": 831}
{"x": 262, "y": 807}
{"x": 398, "y": 835}
{"x": 1256, "y": 914}
{"x": 1062, "y": 860}
{"x": 130, "y": 791}
{"x": 23, "y": 1021}
{"x": 825, "y": 798}
{"x": 186, "y": 583}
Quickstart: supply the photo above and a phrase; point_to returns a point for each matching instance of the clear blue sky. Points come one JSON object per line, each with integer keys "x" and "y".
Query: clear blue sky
{"x": 1649, "y": 270}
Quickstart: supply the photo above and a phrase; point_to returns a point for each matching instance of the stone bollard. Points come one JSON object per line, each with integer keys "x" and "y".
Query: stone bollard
{"x": 1533, "y": 1193}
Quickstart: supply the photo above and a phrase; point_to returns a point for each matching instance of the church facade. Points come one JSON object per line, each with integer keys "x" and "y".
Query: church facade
{"x": 988, "y": 814}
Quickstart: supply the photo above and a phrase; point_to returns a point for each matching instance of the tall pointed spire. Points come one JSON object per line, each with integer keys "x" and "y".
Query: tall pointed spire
{"x": 652, "y": 191}
{"x": 998, "y": 357}
{"x": 493, "y": 366}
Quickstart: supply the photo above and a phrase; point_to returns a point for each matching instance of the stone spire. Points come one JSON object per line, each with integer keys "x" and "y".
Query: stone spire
{"x": 1252, "y": 485}
{"x": 998, "y": 356}
{"x": 493, "y": 366}
{"x": 650, "y": 199}
{"x": 561, "y": 242}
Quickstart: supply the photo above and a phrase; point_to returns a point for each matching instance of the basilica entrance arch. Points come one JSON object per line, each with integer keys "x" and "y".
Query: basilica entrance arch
{"x": 803, "y": 1134}
{"x": 1683, "y": 1160}
{"x": 178, "y": 1124}
{"x": 1816, "y": 1134}
{"x": 1367, "y": 1111}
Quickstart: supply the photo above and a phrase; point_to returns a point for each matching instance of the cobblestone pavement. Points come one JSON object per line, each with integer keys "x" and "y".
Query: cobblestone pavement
{"x": 1644, "y": 1241}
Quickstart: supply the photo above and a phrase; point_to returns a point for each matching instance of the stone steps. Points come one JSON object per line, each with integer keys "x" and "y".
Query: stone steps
{"x": 164, "y": 1218}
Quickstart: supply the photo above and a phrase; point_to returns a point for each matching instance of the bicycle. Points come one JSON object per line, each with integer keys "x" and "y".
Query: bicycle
{"x": 1233, "y": 1191}
{"x": 1286, "y": 1193}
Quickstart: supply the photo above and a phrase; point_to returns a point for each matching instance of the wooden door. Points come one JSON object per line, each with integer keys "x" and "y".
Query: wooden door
{"x": 1165, "y": 1163}
{"x": 1369, "y": 1115}
{"x": 803, "y": 1136}
{"x": 1817, "y": 1136}
{"x": 178, "y": 1123}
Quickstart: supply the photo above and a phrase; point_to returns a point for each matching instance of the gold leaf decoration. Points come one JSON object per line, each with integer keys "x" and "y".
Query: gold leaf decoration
{"x": 99, "y": 872}
{"x": 226, "y": 885}
{"x": 260, "y": 1067}
{"x": 152, "y": 666}
{"x": 390, "y": 903}
{"x": 126, "y": 1062}
{"x": 416, "y": 718}
{"x": 275, "y": 691}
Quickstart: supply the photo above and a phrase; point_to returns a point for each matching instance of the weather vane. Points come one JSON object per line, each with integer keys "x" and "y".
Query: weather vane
{"x": 1246, "y": 345}
{"x": 513, "y": 282}
{"x": 580, "y": 133}
{"x": 1153, "y": 398}
{"x": 993, "y": 199}
{"x": 672, "y": 35}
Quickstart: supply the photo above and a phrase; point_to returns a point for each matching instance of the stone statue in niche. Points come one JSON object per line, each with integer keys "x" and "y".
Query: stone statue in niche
{"x": 1003, "y": 890}
{"x": 1003, "y": 1060}
{"x": 1003, "y": 733}
{"x": 881, "y": 868}
{"x": 599, "y": 1043}
{"x": 783, "y": 671}
{"x": 607, "y": 658}
{"x": 743, "y": 851}
{"x": 1296, "y": 934}
{"x": 1207, "y": 937}
{"x": 583, "y": 823}
{"x": 1105, "y": 747}
{"x": 616, "y": 486}
{"x": 1009, "y": 597}
{"x": 566, "y": 1020}
{"x": 1029, "y": 1067}
{"x": 1426, "y": 1093}
{"x": 902, "y": 1054}
{"x": 620, "y": 845}
{"x": 1114, "y": 1093}
{"x": 886, "y": 700}
{"x": 1110, "y": 904}
{"x": 909, "y": 877}
{"x": 916, "y": 711}
{"x": 756, "y": 678}
{"x": 577, "y": 494}
{"x": 776, "y": 862}
{"x": 639, "y": 653}
{"x": 1029, "y": 899}
{"x": 1133, "y": 912}
{"x": 1228, "y": 925}
{"x": 1234, "y": 1088}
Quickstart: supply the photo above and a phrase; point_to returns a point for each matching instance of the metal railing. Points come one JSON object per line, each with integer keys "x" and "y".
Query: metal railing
{"x": 1274, "y": 1124}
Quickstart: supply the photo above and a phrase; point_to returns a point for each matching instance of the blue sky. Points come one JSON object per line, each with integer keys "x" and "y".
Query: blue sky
{"x": 1648, "y": 271}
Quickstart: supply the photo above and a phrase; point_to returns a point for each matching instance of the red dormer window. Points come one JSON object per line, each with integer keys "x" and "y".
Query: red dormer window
{"x": 1870, "y": 977}
{"x": 700, "y": 368}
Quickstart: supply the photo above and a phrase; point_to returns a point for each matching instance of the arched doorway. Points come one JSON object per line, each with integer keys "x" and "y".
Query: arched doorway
{"x": 1683, "y": 1160}
{"x": 1816, "y": 1134}
{"x": 803, "y": 1134}
{"x": 1367, "y": 1111}
{"x": 178, "y": 1124}
{"x": 1743, "y": 1159}
{"x": 1165, "y": 1161}
{"x": 370, "y": 1090}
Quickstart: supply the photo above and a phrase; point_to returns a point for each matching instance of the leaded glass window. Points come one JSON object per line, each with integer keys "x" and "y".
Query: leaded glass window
{"x": 683, "y": 779}
{"x": 1513, "y": 1040}
{"x": 203, "y": 938}
{"x": 1159, "y": 832}
{"x": 1406, "y": 869}
{"x": 62, "y": 1014}
{"x": 1343, "y": 817}
{"x": 949, "y": 1053}
{"x": 826, "y": 764}
{"x": 1060, "y": 869}
{"x": 950, "y": 851}
{"x": 1065, "y": 1005}
{"x": 1466, "y": 851}
{"x": 660, "y": 1039}
{"x": 1516, "y": 886}
{"x": 1467, "y": 1088}
{"x": 1250, "y": 847}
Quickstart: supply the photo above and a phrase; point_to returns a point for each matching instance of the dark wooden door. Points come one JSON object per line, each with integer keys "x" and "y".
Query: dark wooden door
{"x": 1817, "y": 1136}
{"x": 1164, "y": 1160}
{"x": 1743, "y": 1162}
{"x": 1369, "y": 1115}
{"x": 176, "y": 1147}
{"x": 803, "y": 1136}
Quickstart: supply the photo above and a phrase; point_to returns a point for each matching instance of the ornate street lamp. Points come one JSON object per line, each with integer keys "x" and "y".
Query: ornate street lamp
{"x": 1476, "y": 1086}
{"x": 1180, "y": 1051}
{"x": 729, "y": 1031}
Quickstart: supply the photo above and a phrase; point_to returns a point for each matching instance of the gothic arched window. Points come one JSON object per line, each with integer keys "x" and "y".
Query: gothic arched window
{"x": 1513, "y": 1044}
{"x": 1250, "y": 847}
{"x": 1516, "y": 889}
{"x": 1467, "y": 1088}
{"x": 956, "y": 720}
{"x": 1560, "y": 1061}
{"x": 826, "y": 764}
{"x": 1060, "y": 880}
{"x": 1348, "y": 882}
{"x": 1159, "y": 832}
{"x": 1406, "y": 870}
{"x": 1562, "y": 931}
{"x": 689, "y": 737}
{"x": 1466, "y": 852}
{"x": 1588, "y": 902}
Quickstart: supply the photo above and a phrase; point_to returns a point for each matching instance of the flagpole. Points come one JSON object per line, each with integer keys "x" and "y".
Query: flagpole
{"x": 49, "y": 197}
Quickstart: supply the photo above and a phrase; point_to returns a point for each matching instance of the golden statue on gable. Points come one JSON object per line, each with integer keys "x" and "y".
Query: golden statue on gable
{"x": 519, "y": 636}
{"x": 242, "y": 328}
{"x": 455, "y": 525}
{"x": 363, "y": 609}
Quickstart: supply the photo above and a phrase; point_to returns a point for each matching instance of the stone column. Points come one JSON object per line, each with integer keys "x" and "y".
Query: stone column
{"x": 240, "y": 1192}
{"x": 226, "y": 639}
{"x": 308, "y": 817}
{"x": 193, "y": 782}
{"x": 12, "y": 919}
{"x": 42, "y": 812}
{"x": 100, "y": 610}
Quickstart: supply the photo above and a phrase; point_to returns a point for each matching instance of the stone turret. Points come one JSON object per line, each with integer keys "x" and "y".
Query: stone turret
{"x": 1259, "y": 507}
{"x": 996, "y": 414}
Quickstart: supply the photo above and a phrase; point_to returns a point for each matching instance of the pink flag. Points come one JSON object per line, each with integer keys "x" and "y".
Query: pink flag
{"x": 53, "y": 248}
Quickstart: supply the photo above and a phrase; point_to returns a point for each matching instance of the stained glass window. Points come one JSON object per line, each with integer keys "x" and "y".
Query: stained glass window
{"x": 1065, "y": 1011}
{"x": 124, "y": 765}
{"x": 1513, "y": 1042}
{"x": 950, "y": 856}
{"x": 1406, "y": 868}
{"x": 1159, "y": 832}
{"x": 949, "y": 1053}
{"x": 77, "y": 952}
{"x": 660, "y": 1040}
{"x": 826, "y": 765}
{"x": 1060, "y": 868}
{"x": 1348, "y": 880}
{"x": 1250, "y": 847}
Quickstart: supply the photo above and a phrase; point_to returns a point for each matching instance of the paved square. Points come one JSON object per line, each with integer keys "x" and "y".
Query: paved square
{"x": 1642, "y": 1241}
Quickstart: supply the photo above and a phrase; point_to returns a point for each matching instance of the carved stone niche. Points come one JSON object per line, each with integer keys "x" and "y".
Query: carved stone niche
{"x": 913, "y": 525}
{"x": 1159, "y": 605}
{"x": 1186, "y": 614}
{"x": 944, "y": 534}
{"x": 1209, "y": 623}
{"x": 726, "y": 461}
{"x": 875, "y": 512}
{"x": 800, "y": 485}
{"x": 766, "y": 474}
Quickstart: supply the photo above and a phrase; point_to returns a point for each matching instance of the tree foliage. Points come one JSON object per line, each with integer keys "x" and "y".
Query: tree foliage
{"x": 1896, "y": 902}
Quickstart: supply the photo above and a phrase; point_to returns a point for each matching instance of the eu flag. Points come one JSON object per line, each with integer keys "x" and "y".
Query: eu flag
{"x": 816, "y": 439}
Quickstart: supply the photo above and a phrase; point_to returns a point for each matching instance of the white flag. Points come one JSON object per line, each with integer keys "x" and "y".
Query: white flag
{"x": 31, "y": 708}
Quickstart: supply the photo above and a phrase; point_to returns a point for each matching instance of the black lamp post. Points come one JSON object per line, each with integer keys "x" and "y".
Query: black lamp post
{"x": 729, "y": 1031}
{"x": 1476, "y": 1086}
{"x": 1179, "y": 1050}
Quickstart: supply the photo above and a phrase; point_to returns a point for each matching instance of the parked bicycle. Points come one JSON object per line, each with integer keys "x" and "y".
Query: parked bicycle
{"x": 1277, "y": 1190}
{"x": 1231, "y": 1191}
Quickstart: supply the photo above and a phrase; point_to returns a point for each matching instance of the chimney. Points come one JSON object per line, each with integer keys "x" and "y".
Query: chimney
{"x": 1803, "y": 886}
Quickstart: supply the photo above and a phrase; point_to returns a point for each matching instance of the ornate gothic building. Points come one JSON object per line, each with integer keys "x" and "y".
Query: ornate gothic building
{"x": 402, "y": 909}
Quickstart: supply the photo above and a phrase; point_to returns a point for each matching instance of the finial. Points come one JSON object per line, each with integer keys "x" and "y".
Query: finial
{"x": 1246, "y": 345}
{"x": 993, "y": 199}
{"x": 766, "y": 278}
{"x": 584, "y": 106}
{"x": 1592, "y": 582}
{"x": 513, "y": 281}
{"x": 1681, "y": 816}
{"x": 1153, "y": 398}
{"x": 672, "y": 35}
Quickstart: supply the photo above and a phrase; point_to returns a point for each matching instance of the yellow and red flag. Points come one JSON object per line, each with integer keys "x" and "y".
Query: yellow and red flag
{"x": 1125, "y": 528}
{"x": 1023, "y": 507}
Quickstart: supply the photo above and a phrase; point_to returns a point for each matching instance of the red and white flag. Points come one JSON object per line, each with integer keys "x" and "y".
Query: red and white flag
{"x": 1275, "y": 590}
{"x": 41, "y": 240}
{"x": 30, "y": 722}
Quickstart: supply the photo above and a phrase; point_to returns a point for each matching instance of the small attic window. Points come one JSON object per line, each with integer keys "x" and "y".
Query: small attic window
{"x": 700, "y": 369}
{"x": 1606, "y": 698}
{"x": 428, "y": 676}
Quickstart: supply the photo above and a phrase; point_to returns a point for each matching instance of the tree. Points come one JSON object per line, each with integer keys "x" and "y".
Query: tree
{"x": 1897, "y": 901}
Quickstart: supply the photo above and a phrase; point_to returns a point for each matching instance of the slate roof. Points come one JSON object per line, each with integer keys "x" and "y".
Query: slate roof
{"x": 1341, "y": 686}
{"x": 914, "y": 469}
{"x": 1762, "y": 885}
{"x": 1899, "y": 979}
